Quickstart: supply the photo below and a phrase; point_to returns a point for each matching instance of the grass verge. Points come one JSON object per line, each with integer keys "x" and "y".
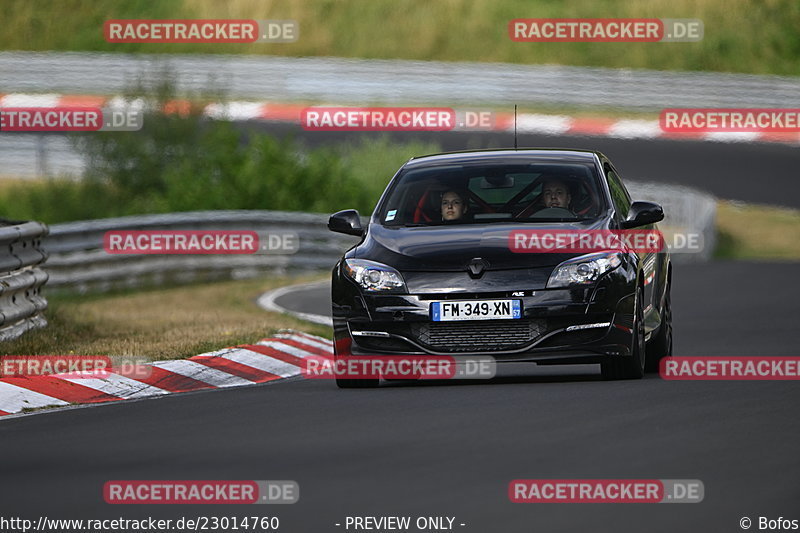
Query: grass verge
{"x": 166, "y": 323}
{"x": 746, "y": 231}
{"x": 747, "y": 36}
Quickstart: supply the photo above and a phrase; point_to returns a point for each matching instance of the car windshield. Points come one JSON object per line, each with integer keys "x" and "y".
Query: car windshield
{"x": 490, "y": 193}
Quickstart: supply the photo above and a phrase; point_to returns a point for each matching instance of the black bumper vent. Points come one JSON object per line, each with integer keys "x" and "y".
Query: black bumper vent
{"x": 489, "y": 336}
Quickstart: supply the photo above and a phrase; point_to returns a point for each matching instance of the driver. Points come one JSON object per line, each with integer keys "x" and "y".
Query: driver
{"x": 555, "y": 193}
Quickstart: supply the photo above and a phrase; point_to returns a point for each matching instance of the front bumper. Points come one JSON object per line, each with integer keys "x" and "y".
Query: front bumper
{"x": 366, "y": 324}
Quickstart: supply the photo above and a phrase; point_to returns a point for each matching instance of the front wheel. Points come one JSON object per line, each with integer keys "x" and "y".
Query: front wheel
{"x": 661, "y": 346}
{"x": 630, "y": 367}
{"x": 353, "y": 383}
{"x": 344, "y": 383}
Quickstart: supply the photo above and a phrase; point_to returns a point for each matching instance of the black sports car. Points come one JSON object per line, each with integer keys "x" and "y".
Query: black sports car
{"x": 436, "y": 271}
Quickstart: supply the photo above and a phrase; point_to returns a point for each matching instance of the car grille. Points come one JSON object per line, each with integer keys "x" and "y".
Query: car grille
{"x": 489, "y": 336}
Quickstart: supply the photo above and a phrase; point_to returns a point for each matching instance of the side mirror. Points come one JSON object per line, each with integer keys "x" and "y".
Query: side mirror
{"x": 347, "y": 221}
{"x": 642, "y": 214}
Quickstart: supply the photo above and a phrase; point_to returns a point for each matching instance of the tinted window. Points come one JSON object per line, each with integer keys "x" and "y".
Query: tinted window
{"x": 619, "y": 195}
{"x": 477, "y": 194}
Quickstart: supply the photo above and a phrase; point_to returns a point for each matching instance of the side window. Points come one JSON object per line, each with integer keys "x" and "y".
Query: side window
{"x": 622, "y": 202}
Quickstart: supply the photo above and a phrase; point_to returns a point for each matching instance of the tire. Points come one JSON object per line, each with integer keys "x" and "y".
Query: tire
{"x": 344, "y": 383}
{"x": 348, "y": 383}
{"x": 661, "y": 345}
{"x": 630, "y": 367}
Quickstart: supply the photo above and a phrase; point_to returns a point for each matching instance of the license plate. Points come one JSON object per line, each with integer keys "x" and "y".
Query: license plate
{"x": 476, "y": 310}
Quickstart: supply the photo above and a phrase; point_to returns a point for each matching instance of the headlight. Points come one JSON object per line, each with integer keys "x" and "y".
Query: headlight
{"x": 374, "y": 277}
{"x": 584, "y": 270}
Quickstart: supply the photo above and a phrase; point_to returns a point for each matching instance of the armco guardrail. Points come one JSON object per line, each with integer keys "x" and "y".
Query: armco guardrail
{"x": 394, "y": 82}
{"x": 21, "y": 278}
{"x": 77, "y": 259}
{"x": 687, "y": 212}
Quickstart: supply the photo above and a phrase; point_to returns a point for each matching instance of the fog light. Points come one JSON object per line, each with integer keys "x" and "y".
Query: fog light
{"x": 370, "y": 334}
{"x": 589, "y": 326}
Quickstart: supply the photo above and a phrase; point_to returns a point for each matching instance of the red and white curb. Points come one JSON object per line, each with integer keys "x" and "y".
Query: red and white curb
{"x": 271, "y": 359}
{"x": 503, "y": 121}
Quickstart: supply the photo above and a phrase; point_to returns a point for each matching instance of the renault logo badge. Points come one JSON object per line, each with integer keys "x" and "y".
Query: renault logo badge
{"x": 477, "y": 266}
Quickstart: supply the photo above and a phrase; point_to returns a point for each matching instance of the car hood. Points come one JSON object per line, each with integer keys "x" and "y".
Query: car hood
{"x": 452, "y": 247}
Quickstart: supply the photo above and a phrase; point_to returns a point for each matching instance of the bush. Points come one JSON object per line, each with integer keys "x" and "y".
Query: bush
{"x": 186, "y": 163}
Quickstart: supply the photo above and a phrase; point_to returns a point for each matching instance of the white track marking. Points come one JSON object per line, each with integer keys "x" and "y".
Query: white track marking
{"x": 285, "y": 348}
{"x": 30, "y": 100}
{"x": 306, "y": 340}
{"x": 635, "y": 129}
{"x": 733, "y": 136}
{"x": 550, "y": 124}
{"x": 14, "y": 399}
{"x": 119, "y": 386}
{"x": 234, "y": 110}
{"x": 264, "y": 362}
{"x": 212, "y": 376}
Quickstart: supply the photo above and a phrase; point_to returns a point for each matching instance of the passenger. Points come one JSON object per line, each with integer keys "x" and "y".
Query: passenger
{"x": 454, "y": 205}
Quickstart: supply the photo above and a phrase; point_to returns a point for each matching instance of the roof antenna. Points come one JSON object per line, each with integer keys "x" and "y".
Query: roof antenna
{"x": 515, "y": 126}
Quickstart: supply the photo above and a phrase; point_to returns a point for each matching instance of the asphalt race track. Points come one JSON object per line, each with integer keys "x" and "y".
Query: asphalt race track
{"x": 762, "y": 173}
{"x": 450, "y": 449}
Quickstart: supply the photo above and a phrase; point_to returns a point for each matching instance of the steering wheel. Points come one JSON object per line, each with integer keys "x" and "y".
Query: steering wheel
{"x": 553, "y": 212}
